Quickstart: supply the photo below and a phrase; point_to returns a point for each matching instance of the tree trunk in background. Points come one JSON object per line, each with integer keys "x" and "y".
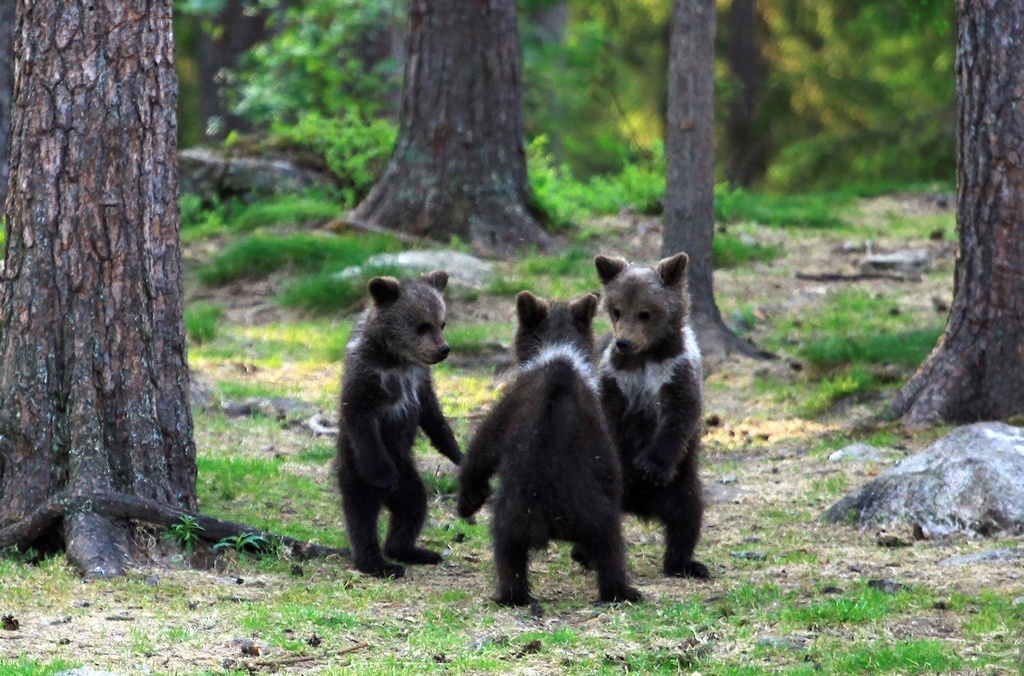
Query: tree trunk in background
{"x": 977, "y": 370}
{"x": 690, "y": 159}
{"x": 236, "y": 29}
{"x": 747, "y": 159}
{"x": 550, "y": 20}
{"x": 93, "y": 374}
{"x": 459, "y": 165}
{"x": 7, "y": 18}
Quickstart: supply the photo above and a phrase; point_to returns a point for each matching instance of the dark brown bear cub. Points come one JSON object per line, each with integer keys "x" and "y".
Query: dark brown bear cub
{"x": 650, "y": 377}
{"x": 386, "y": 394}
{"x": 547, "y": 440}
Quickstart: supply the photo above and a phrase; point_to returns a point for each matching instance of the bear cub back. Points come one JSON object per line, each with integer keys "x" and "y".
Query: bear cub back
{"x": 547, "y": 440}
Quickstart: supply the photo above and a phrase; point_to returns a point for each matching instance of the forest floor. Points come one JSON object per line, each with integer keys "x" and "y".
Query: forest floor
{"x": 788, "y": 593}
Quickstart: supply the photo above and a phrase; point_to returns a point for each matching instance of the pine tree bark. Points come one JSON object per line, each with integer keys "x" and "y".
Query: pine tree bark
{"x": 7, "y": 21}
{"x": 459, "y": 166}
{"x": 93, "y": 372}
{"x": 690, "y": 180}
{"x": 976, "y": 372}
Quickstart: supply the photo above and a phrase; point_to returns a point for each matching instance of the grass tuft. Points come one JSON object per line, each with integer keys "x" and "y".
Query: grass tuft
{"x": 201, "y": 321}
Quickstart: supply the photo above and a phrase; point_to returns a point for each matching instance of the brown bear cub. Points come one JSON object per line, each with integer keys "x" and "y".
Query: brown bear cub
{"x": 386, "y": 394}
{"x": 547, "y": 440}
{"x": 650, "y": 377}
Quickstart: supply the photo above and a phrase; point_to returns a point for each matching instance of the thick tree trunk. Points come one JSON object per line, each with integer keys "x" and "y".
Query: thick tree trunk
{"x": 747, "y": 150}
{"x": 93, "y": 374}
{"x": 7, "y": 22}
{"x": 459, "y": 166}
{"x": 977, "y": 370}
{"x": 236, "y": 30}
{"x": 690, "y": 158}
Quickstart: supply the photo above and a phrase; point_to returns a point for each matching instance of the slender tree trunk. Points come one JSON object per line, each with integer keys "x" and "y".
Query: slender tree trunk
{"x": 235, "y": 31}
{"x": 747, "y": 156}
{"x": 459, "y": 165}
{"x": 690, "y": 158}
{"x": 7, "y": 22}
{"x": 93, "y": 372}
{"x": 977, "y": 370}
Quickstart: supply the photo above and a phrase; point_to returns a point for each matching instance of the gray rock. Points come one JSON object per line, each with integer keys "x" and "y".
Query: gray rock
{"x": 782, "y": 642}
{"x": 905, "y": 261}
{"x": 971, "y": 481}
{"x": 463, "y": 269}
{"x": 1008, "y": 555}
{"x": 857, "y": 452}
{"x": 87, "y": 671}
{"x": 750, "y": 555}
{"x": 212, "y": 174}
{"x": 200, "y": 394}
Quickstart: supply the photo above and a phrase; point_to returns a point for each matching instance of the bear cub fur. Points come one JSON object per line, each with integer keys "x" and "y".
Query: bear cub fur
{"x": 547, "y": 440}
{"x": 386, "y": 394}
{"x": 650, "y": 379}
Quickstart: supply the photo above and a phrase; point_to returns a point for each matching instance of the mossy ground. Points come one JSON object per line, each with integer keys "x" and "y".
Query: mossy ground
{"x": 789, "y": 594}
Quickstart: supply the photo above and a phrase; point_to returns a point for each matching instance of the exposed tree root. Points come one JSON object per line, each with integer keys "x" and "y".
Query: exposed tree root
{"x": 87, "y": 523}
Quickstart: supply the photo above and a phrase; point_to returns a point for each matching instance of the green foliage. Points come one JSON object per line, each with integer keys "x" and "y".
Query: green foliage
{"x": 284, "y": 210}
{"x": 243, "y": 543}
{"x": 567, "y": 200}
{"x": 729, "y": 251}
{"x": 329, "y": 292}
{"x": 24, "y": 666}
{"x": 857, "y": 92}
{"x": 356, "y": 149}
{"x": 259, "y": 255}
{"x": 186, "y": 533}
{"x": 812, "y": 210}
{"x": 311, "y": 64}
{"x": 201, "y": 321}
{"x": 907, "y": 348}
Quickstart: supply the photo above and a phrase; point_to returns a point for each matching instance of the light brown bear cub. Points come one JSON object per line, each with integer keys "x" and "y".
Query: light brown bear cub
{"x": 650, "y": 377}
{"x": 547, "y": 441}
{"x": 386, "y": 394}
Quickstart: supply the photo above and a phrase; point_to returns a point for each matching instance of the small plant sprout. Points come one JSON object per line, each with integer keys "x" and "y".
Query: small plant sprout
{"x": 186, "y": 533}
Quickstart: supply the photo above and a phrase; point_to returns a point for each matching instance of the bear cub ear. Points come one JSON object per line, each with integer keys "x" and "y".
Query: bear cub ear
{"x": 609, "y": 268}
{"x": 437, "y": 279}
{"x": 584, "y": 308}
{"x": 672, "y": 270}
{"x": 531, "y": 310}
{"x": 384, "y": 290}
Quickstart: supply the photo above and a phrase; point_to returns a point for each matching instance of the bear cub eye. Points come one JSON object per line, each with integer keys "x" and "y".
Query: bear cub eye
{"x": 423, "y": 329}
{"x": 644, "y": 316}
{"x": 615, "y": 313}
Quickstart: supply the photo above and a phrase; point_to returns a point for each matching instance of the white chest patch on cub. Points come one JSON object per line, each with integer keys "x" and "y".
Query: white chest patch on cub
{"x": 642, "y": 387}
{"x": 404, "y": 382}
{"x": 570, "y": 353}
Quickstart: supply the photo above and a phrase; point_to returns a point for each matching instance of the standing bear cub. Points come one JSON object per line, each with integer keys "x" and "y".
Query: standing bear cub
{"x": 651, "y": 392}
{"x": 547, "y": 440}
{"x": 386, "y": 394}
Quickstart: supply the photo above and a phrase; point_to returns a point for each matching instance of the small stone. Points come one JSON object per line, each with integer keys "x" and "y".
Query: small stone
{"x": 750, "y": 555}
{"x": 1018, "y": 601}
{"x": 10, "y": 623}
{"x": 941, "y": 605}
{"x": 314, "y": 641}
{"x": 886, "y": 586}
{"x": 731, "y": 479}
{"x": 151, "y": 581}
{"x": 831, "y": 589}
{"x": 857, "y": 453}
{"x": 782, "y": 642}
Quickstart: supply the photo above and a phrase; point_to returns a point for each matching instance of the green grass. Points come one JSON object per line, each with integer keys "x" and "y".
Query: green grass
{"x": 813, "y": 211}
{"x": 729, "y": 251}
{"x": 24, "y": 666}
{"x": 285, "y": 210}
{"x": 258, "y": 255}
{"x": 328, "y": 293}
{"x": 201, "y": 321}
{"x": 906, "y": 348}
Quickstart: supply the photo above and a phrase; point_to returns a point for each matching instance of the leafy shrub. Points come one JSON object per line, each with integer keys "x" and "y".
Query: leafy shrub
{"x": 354, "y": 149}
{"x": 309, "y": 65}
{"x": 567, "y": 200}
